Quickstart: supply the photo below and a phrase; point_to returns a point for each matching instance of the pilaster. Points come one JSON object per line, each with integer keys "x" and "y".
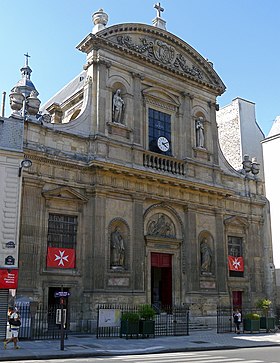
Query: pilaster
{"x": 138, "y": 254}
{"x": 221, "y": 254}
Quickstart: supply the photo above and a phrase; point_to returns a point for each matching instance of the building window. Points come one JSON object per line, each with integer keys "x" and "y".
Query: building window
{"x": 235, "y": 256}
{"x": 159, "y": 132}
{"x": 62, "y": 231}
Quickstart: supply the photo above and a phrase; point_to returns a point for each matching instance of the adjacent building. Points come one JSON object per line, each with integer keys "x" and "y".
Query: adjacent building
{"x": 240, "y": 134}
{"x": 271, "y": 147}
{"x": 11, "y": 156}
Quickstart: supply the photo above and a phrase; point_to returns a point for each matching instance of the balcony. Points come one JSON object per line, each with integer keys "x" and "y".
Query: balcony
{"x": 163, "y": 163}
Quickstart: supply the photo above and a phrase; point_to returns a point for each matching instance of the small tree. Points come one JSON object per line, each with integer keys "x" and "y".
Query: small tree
{"x": 147, "y": 312}
{"x": 264, "y": 305}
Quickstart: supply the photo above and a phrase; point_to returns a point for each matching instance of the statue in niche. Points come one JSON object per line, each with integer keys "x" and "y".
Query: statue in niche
{"x": 118, "y": 107}
{"x": 199, "y": 130}
{"x": 205, "y": 256}
{"x": 117, "y": 248}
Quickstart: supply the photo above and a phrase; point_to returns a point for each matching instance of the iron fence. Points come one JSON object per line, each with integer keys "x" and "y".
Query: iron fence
{"x": 41, "y": 324}
{"x": 225, "y": 322}
{"x": 169, "y": 320}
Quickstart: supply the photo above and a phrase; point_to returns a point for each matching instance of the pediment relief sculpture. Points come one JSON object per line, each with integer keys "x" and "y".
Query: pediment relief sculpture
{"x": 162, "y": 52}
{"x": 162, "y": 226}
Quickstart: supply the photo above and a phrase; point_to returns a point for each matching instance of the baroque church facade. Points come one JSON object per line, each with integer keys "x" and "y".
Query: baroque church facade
{"x": 129, "y": 198}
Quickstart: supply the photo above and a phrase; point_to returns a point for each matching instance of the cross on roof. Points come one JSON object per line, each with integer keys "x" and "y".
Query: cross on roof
{"x": 159, "y": 9}
{"x": 26, "y": 58}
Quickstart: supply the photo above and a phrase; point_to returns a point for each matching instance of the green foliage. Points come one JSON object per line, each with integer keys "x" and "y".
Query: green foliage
{"x": 252, "y": 316}
{"x": 264, "y": 304}
{"x": 146, "y": 312}
{"x": 130, "y": 316}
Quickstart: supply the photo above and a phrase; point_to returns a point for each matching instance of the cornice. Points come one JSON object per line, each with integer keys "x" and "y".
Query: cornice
{"x": 192, "y": 186}
{"x": 49, "y": 159}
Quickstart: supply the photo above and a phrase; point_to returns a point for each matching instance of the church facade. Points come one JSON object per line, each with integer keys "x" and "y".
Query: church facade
{"x": 129, "y": 198}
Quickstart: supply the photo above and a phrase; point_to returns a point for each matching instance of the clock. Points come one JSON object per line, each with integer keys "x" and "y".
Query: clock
{"x": 163, "y": 143}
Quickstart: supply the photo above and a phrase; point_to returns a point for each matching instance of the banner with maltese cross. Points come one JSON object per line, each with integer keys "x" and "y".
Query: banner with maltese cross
{"x": 235, "y": 263}
{"x": 61, "y": 257}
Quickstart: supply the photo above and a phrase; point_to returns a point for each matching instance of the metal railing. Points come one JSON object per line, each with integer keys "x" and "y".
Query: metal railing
{"x": 169, "y": 320}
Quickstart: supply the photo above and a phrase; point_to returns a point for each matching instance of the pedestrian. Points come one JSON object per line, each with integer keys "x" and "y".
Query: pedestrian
{"x": 14, "y": 321}
{"x": 237, "y": 320}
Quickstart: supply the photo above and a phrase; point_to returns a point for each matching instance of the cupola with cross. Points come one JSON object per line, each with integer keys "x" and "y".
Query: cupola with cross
{"x": 24, "y": 96}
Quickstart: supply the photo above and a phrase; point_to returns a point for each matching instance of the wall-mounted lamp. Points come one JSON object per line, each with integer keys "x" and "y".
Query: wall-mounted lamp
{"x": 25, "y": 163}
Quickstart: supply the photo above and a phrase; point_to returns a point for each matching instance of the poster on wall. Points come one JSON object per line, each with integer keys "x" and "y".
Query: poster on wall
{"x": 109, "y": 318}
{"x": 8, "y": 278}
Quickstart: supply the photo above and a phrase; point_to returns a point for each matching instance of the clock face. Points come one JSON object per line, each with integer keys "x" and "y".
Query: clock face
{"x": 163, "y": 143}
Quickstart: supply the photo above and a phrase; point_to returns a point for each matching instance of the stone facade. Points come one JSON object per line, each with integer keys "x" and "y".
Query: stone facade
{"x": 154, "y": 203}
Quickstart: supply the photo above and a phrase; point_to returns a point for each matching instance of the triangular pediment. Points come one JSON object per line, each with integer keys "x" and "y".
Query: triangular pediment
{"x": 236, "y": 221}
{"x": 160, "y": 94}
{"x": 158, "y": 47}
{"x": 65, "y": 193}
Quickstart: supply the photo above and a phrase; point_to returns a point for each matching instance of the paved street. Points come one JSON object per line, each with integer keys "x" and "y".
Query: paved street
{"x": 89, "y": 346}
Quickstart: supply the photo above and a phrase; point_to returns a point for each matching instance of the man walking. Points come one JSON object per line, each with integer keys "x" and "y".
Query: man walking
{"x": 14, "y": 321}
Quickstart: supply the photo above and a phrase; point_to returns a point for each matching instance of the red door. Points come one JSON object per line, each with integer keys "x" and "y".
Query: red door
{"x": 161, "y": 279}
{"x": 237, "y": 299}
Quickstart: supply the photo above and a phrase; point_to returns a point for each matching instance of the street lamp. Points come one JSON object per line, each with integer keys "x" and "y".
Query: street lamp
{"x": 25, "y": 163}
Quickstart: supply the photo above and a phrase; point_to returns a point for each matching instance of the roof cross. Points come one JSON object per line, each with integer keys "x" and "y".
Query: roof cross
{"x": 159, "y": 9}
{"x": 26, "y": 58}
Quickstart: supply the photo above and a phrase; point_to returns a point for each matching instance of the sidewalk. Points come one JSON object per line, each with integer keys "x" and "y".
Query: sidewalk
{"x": 90, "y": 346}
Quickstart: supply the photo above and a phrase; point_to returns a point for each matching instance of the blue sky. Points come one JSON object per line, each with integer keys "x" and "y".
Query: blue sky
{"x": 241, "y": 38}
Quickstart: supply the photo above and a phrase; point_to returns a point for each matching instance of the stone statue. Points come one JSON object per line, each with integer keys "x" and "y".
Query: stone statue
{"x": 117, "y": 248}
{"x": 199, "y": 129}
{"x": 206, "y": 256}
{"x": 118, "y": 107}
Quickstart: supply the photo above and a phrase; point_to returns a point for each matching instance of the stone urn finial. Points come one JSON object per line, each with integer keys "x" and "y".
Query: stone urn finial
{"x": 16, "y": 100}
{"x": 33, "y": 103}
{"x": 100, "y": 20}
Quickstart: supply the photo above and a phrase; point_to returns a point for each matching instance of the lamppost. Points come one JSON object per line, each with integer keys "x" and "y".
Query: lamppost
{"x": 25, "y": 163}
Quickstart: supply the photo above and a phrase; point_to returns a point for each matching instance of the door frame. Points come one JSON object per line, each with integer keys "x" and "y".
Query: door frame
{"x": 173, "y": 248}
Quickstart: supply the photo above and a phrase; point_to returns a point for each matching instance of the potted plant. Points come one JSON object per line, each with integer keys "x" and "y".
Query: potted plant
{"x": 265, "y": 321}
{"x": 147, "y": 322}
{"x": 251, "y": 322}
{"x": 129, "y": 324}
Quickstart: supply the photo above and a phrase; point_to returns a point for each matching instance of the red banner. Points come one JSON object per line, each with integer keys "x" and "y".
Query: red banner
{"x": 8, "y": 279}
{"x": 61, "y": 257}
{"x": 235, "y": 263}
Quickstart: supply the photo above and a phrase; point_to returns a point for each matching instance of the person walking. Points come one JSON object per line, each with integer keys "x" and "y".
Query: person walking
{"x": 14, "y": 321}
{"x": 237, "y": 320}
